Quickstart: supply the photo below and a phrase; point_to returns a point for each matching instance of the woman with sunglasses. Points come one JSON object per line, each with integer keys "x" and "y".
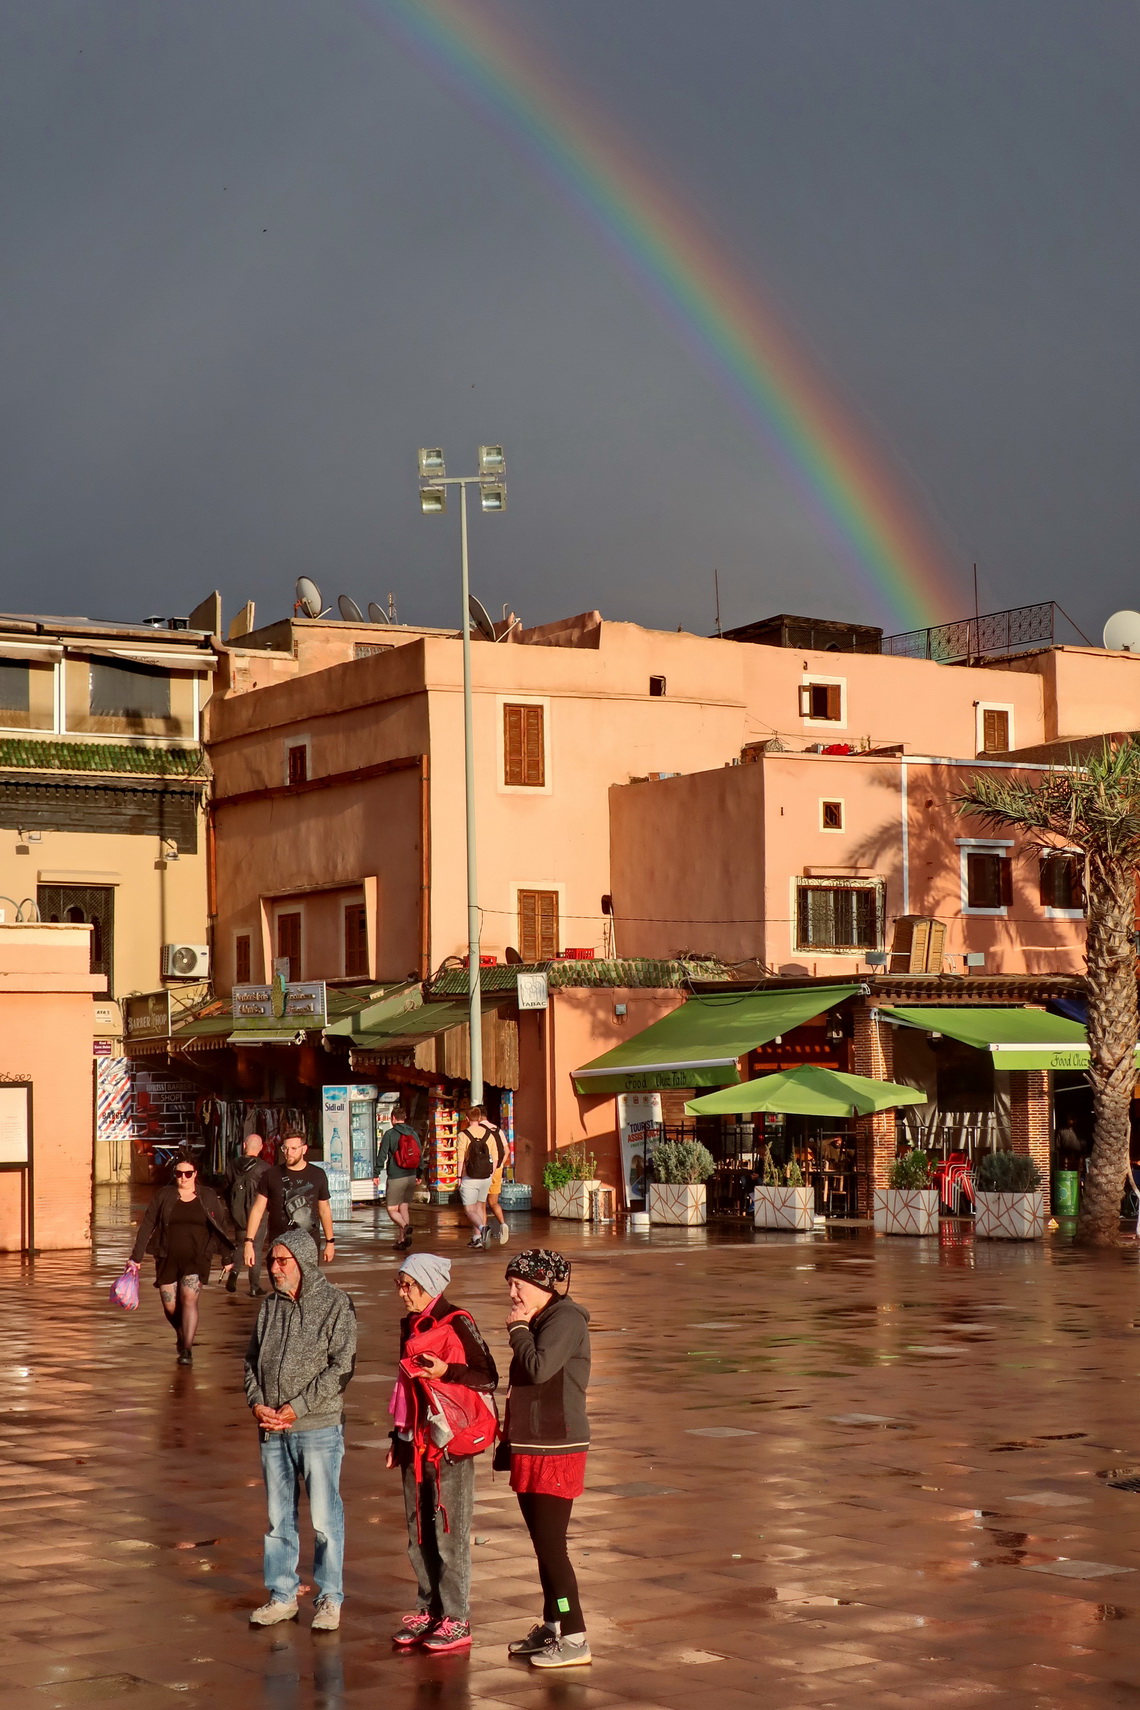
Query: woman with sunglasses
{"x": 185, "y": 1225}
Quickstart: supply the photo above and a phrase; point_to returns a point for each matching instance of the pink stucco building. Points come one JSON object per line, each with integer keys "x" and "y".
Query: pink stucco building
{"x": 766, "y": 803}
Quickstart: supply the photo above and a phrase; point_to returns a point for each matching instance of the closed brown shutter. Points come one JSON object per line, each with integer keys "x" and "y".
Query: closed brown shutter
{"x": 289, "y": 942}
{"x": 242, "y": 958}
{"x": 538, "y": 925}
{"x": 524, "y": 746}
{"x": 995, "y": 731}
{"x": 355, "y": 941}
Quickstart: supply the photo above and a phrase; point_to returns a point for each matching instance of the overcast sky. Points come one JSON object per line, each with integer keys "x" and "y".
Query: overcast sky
{"x": 255, "y": 253}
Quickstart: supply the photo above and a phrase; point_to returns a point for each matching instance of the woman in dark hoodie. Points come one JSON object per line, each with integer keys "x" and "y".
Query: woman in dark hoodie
{"x": 185, "y": 1225}
{"x": 548, "y": 1433}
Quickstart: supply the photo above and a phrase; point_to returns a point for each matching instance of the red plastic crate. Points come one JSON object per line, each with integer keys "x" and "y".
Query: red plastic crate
{"x": 484, "y": 961}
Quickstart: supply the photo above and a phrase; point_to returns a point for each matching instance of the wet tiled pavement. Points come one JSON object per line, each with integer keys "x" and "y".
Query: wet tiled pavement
{"x": 829, "y": 1471}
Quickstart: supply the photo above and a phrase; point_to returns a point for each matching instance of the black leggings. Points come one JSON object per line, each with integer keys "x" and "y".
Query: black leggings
{"x": 547, "y": 1518}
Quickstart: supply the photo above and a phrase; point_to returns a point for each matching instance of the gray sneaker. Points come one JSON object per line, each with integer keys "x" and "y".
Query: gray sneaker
{"x": 536, "y": 1640}
{"x": 272, "y": 1612}
{"x": 326, "y": 1615}
{"x": 563, "y": 1653}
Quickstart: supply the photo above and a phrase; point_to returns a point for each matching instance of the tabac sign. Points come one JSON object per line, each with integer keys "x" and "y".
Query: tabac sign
{"x": 293, "y": 1005}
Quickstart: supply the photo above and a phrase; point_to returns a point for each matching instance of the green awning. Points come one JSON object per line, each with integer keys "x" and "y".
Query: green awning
{"x": 699, "y": 1044}
{"x": 411, "y": 1027}
{"x": 807, "y": 1090}
{"x": 1015, "y": 1038}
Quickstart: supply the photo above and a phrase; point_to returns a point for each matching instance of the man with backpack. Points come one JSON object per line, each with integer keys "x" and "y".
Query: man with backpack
{"x": 239, "y": 1190}
{"x": 401, "y": 1155}
{"x": 444, "y": 1416}
{"x": 482, "y": 1152}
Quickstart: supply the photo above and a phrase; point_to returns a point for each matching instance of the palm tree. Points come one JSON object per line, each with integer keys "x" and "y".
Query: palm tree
{"x": 1093, "y": 805}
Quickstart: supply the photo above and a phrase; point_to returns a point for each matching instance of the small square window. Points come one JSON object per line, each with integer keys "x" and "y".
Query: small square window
{"x": 822, "y": 701}
{"x": 656, "y": 685}
{"x": 298, "y": 764}
{"x": 831, "y": 816}
{"x": 995, "y": 730}
{"x": 989, "y": 880}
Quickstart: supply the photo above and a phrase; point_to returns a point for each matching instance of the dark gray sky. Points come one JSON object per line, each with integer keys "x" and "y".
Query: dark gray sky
{"x": 255, "y": 253}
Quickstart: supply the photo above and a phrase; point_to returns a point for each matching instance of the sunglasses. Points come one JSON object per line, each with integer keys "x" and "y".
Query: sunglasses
{"x": 274, "y": 1260}
{"x": 185, "y": 1172}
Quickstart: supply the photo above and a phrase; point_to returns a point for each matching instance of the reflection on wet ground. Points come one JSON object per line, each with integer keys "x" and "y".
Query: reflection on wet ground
{"x": 827, "y": 1472}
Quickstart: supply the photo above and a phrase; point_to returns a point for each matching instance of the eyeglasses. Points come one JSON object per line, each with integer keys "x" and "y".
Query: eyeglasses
{"x": 274, "y": 1260}
{"x": 185, "y": 1172}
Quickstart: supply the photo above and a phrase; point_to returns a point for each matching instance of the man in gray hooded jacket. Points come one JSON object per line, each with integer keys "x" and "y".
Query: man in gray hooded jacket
{"x": 298, "y": 1365}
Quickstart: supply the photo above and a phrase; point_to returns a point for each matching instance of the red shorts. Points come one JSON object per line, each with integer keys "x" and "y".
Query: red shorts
{"x": 548, "y": 1475}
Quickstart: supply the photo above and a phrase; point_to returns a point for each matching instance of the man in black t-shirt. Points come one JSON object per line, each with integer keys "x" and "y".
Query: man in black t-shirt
{"x": 295, "y": 1195}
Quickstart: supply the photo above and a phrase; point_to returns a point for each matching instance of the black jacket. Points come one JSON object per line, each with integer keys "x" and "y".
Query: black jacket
{"x": 550, "y": 1371}
{"x": 480, "y": 1372}
{"x": 240, "y": 1188}
{"x": 152, "y": 1236}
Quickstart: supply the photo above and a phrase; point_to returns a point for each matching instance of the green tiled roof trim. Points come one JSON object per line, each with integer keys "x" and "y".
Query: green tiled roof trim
{"x": 100, "y": 757}
{"x": 632, "y": 971}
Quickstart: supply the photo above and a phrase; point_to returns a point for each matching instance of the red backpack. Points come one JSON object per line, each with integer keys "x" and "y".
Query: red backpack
{"x": 408, "y": 1153}
{"x": 446, "y": 1417}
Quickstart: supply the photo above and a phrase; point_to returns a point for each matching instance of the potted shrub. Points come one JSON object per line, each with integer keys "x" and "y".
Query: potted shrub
{"x": 908, "y": 1205}
{"x": 569, "y": 1179}
{"x": 677, "y": 1188}
{"x": 782, "y": 1205}
{"x": 1010, "y": 1198}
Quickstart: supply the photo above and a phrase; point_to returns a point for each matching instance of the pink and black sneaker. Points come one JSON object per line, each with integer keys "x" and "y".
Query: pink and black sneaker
{"x": 413, "y": 1629}
{"x": 449, "y": 1635}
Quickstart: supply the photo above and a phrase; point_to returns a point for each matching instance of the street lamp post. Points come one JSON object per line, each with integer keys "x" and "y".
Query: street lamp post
{"x": 434, "y": 482}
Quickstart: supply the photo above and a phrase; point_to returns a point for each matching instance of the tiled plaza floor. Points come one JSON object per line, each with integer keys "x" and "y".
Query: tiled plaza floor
{"x": 829, "y": 1471}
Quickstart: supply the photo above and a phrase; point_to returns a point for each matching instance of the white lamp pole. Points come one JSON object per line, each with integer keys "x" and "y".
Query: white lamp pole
{"x": 433, "y": 502}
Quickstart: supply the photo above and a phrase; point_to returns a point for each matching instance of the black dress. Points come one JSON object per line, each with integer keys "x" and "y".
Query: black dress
{"x": 187, "y": 1245}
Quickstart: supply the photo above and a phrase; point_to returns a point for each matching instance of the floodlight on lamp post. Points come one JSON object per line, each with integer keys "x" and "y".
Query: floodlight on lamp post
{"x": 491, "y": 482}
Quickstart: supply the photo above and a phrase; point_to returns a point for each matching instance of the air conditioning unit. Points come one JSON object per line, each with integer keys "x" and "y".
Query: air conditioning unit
{"x": 185, "y": 961}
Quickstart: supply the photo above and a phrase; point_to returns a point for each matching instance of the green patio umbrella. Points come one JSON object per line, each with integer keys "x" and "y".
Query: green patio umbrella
{"x": 807, "y": 1091}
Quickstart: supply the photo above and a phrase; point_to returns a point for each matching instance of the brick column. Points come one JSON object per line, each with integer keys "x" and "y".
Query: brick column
{"x": 874, "y": 1135}
{"x": 1030, "y": 1119}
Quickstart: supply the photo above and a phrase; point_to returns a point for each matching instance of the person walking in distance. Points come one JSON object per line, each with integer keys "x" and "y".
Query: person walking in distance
{"x": 185, "y": 1225}
{"x": 298, "y": 1365}
{"x": 292, "y": 1195}
{"x": 440, "y": 1342}
{"x": 401, "y": 1155}
{"x": 243, "y": 1173}
{"x": 545, "y": 1439}
{"x": 480, "y": 1151}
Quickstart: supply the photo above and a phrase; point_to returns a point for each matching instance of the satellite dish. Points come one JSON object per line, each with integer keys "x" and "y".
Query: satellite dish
{"x": 377, "y": 613}
{"x": 349, "y": 610}
{"x": 512, "y": 956}
{"x": 481, "y": 619}
{"x": 308, "y": 597}
{"x": 1122, "y": 632}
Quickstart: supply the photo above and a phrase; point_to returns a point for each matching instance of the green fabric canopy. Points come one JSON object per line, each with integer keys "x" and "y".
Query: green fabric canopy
{"x": 1015, "y": 1038}
{"x": 699, "y": 1044}
{"x": 807, "y": 1091}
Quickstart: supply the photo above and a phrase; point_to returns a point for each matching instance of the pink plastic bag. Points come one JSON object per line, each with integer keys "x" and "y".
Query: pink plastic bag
{"x": 125, "y": 1289}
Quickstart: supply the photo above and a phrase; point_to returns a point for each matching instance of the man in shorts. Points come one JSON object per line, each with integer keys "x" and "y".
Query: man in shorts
{"x": 481, "y": 1152}
{"x": 394, "y": 1158}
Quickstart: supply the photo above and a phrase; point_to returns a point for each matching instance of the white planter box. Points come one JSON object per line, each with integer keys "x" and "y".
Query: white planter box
{"x": 572, "y": 1201}
{"x": 783, "y": 1208}
{"x": 1009, "y": 1216}
{"x": 677, "y": 1202}
{"x": 906, "y": 1211}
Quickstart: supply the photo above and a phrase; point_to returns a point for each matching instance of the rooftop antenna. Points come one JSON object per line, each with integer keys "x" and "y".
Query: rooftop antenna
{"x": 716, "y": 586}
{"x": 977, "y": 615}
{"x": 349, "y": 610}
{"x": 391, "y": 608}
{"x": 481, "y": 618}
{"x": 1122, "y": 632}
{"x": 308, "y": 600}
{"x": 377, "y": 613}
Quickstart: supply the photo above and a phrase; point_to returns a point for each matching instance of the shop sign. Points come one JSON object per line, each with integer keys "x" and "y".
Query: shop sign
{"x": 102, "y": 1047}
{"x": 639, "y": 1118}
{"x": 107, "y": 1018}
{"x": 533, "y": 991}
{"x": 303, "y": 1002}
{"x": 147, "y": 1016}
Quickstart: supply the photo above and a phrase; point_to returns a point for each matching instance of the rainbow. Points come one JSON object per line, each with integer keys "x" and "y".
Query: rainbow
{"x": 716, "y": 311}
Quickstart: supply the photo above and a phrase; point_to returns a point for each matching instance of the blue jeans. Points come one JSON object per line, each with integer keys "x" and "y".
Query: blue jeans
{"x": 288, "y": 1459}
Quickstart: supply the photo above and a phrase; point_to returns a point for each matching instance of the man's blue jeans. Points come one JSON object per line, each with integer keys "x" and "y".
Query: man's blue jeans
{"x": 288, "y": 1460}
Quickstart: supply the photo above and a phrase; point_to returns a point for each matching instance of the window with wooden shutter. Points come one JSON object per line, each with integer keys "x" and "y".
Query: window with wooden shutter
{"x": 538, "y": 925}
{"x": 243, "y": 959}
{"x": 995, "y": 730}
{"x": 298, "y": 764}
{"x": 289, "y": 942}
{"x": 355, "y": 941}
{"x": 1063, "y": 882}
{"x": 524, "y": 746}
{"x": 989, "y": 880}
{"x": 822, "y": 701}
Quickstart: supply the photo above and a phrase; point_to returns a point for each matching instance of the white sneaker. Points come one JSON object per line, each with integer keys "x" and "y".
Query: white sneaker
{"x": 272, "y": 1612}
{"x": 504, "y": 1234}
{"x": 326, "y": 1615}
